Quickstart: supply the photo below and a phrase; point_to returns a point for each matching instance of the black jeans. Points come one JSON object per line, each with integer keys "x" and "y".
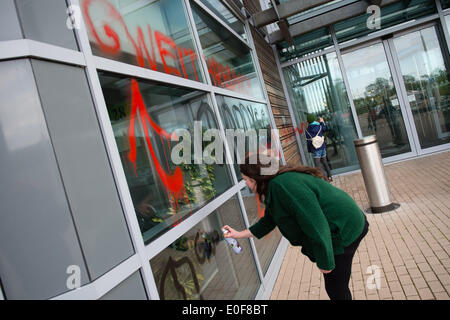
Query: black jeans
{"x": 327, "y": 171}
{"x": 336, "y": 282}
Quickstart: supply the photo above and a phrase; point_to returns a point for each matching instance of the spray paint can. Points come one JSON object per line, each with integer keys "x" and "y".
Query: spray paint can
{"x": 233, "y": 243}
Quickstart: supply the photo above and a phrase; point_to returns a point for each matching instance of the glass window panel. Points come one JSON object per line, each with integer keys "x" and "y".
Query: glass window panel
{"x": 305, "y": 44}
{"x": 9, "y": 22}
{"x": 245, "y": 115}
{"x": 131, "y": 288}
{"x": 64, "y": 94}
{"x": 46, "y": 21}
{"x": 316, "y": 89}
{"x": 445, "y": 4}
{"x": 201, "y": 265}
{"x": 38, "y": 238}
{"x": 226, "y": 15}
{"x": 143, "y": 115}
{"x": 375, "y": 98}
{"x": 426, "y": 79}
{"x": 229, "y": 60}
{"x": 447, "y": 24}
{"x": 265, "y": 247}
{"x": 295, "y": 18}
{"x": 153, "y": 35}
{"x": 390, "y": 15}
{"x": 125, "y": 3}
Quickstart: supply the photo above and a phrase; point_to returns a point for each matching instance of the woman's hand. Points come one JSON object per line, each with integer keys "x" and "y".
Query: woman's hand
{"x": 236, "y": 234}
{"x": 231, "y": 232}
{"x": 325, "y": 271}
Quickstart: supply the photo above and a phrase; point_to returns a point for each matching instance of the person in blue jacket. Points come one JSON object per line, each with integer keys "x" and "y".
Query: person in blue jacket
{"x": 319, "y": 153}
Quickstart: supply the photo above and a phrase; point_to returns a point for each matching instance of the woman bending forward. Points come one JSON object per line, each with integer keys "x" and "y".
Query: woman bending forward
{"x": 309, "y": 212}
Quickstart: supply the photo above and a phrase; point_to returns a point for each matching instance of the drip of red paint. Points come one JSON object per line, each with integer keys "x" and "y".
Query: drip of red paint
{"x": 173, "y": 183}
{"x": 261, "y": 212}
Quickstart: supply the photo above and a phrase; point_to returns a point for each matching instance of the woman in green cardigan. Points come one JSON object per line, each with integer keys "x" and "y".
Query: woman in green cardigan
{"x": 309, "y": 212}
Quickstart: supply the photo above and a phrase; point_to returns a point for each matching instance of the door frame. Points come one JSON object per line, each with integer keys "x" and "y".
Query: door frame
{"x": 396, "y": 67}
{"x": 403, "y": 107}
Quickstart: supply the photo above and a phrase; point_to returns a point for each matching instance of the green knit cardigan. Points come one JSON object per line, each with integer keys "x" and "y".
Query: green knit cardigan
{"x": 313, "y": 214}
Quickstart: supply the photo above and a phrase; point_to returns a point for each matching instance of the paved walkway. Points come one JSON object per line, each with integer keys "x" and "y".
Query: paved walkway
{"x": 410, "y": 245}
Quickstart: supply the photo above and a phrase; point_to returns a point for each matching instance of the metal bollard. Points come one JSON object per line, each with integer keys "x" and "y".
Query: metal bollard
{"x": 372, "y": 169}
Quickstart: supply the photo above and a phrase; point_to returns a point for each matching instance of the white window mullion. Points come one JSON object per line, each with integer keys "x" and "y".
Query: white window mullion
{"x": 101, "y": 286}
{"x": 113, "y": 154}
{"x": 162, "y": 242}
{"x": 218, "y": 20}
{"x": 22, "y": 48}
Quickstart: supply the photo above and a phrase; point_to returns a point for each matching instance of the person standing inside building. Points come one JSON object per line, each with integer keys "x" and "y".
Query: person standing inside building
{"x": 312, "y": 213}
{"x": 315, "y": 142}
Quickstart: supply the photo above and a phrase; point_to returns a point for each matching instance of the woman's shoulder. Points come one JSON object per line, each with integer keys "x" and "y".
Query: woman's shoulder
{"x": 289, "y": 177}
{"x": 294, "y": 179}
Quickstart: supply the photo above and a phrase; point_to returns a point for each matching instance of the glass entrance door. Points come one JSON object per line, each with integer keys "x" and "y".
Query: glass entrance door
{"x": 317, "y": 90}
{"x": 376, "y": 98}
{"x": 426, "y": 85}
{"x": 401, "y": 91}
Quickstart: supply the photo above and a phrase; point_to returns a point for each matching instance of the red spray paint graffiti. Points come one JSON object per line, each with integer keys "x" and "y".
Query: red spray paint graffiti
{"x": 301, "y": 129}
{"x": 173, "y": 183}
{"x": 261, "y": 212}
{"x": 221, "y": 76}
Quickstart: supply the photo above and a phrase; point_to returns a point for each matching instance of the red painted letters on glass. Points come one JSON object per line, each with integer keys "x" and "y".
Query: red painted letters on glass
{"x": 221, "y": 75}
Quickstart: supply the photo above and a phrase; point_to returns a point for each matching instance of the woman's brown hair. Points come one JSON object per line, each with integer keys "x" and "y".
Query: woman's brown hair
{"x": 253, "y": 170}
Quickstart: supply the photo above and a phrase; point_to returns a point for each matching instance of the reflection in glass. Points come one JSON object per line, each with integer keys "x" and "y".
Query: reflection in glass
{"x": 265, "y": 247}
{"x": 390, "y": 15}
{"x": 427, "y": 85}
{"x": 246, "y": 115}
{"x": 316, "y": 89}
{"x": 299, "y": 16}
{"x": 150, "y": 34}
{"x": 226, "y": 15}
{"x": 143, "y": 115}
{"x": 44, "y": 21}
{"x": 375, "y": 99}
{"x": 305, "y": 44}
{"x": 229, "y": 60}
{"x": 447, "y": 22}
{"x": 200, "y": 265}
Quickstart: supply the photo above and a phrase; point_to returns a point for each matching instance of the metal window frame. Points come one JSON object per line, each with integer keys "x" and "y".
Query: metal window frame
{"x": 266, "y": 279}
{"x": 318, "y": 12}
{"x": 419, "y": 150}
{"x": 394, "y": 67}
{"x": 377, "y": 34}
{"x": 223, "y": 23}
{"x": 113, "y": 156}
{"x": 140, "y": 260}
{"x": 22, "y": 48}
{"x": 289, "y": 103}
{"x": 307, "y": 57}
{"x": 105, "y": 283}
{"x": 346, "y": 83}
{"x": 442, "y": 13}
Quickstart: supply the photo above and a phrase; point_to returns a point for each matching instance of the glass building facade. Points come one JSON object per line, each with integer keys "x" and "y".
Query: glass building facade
{"x": 92, "y": 93}
{"x": 387, "y": 77}
{"x": 116, "y": 217}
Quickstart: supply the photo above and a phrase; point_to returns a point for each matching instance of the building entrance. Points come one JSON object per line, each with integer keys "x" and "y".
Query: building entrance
{"x": 400, "y": 89}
